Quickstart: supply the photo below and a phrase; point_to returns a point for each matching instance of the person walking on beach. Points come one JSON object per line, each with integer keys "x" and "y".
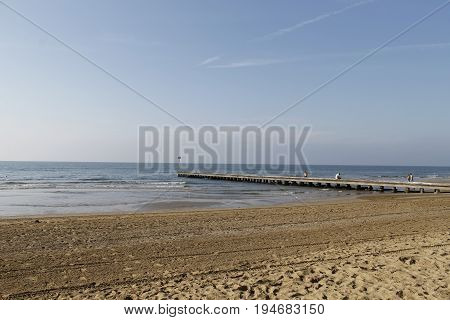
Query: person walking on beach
{"x": 338, "y": 176}
{"x": 410, "y": 177}
{"x": 305, "y": 174}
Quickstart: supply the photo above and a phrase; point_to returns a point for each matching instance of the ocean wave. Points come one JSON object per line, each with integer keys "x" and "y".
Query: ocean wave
{"x": 91, "y": 184}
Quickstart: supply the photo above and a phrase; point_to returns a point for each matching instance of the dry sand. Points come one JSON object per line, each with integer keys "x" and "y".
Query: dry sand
{"x": 386, "y": 247}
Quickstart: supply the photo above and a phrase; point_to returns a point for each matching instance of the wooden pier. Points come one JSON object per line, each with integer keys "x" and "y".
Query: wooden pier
{"x": 370, "y": 185}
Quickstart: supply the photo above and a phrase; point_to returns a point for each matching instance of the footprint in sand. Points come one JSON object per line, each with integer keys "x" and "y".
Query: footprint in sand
{"x": 407, "y": 260}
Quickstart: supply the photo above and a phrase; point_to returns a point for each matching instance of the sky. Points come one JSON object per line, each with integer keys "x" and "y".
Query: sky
{"x": 225, "y": 63}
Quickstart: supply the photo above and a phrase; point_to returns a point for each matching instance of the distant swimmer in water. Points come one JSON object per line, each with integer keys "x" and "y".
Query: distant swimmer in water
{"x": 338, "y": 176}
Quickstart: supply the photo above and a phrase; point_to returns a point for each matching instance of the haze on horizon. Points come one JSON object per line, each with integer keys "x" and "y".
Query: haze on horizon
{"x": 225, "y": 63}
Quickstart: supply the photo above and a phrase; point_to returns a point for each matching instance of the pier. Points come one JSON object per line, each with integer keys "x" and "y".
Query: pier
{"x": 350, "y": 184}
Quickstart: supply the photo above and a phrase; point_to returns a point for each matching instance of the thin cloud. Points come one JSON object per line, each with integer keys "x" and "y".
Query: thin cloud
{"x": 266, "y": 62}
{"x": 209, "y": 61}
{"x": 247, "y": 63}
{"x": 313, "y": 20}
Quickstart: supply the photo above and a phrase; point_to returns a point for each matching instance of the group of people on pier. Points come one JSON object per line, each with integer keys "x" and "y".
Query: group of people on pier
{"x": 409, "y": 177}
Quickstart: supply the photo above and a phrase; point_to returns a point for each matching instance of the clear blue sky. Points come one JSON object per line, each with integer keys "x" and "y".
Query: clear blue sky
{"x": 226, "y": 62}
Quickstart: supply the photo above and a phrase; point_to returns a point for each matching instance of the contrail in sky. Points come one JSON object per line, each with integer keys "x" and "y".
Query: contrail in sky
{"x": 314, "y": 20}
{"x": 209, "y": 60}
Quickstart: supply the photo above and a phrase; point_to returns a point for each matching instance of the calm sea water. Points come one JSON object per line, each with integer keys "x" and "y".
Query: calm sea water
{"x": 34, "y": 188}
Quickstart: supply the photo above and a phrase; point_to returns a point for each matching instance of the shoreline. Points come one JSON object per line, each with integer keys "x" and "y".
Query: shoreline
{"x": 373, "y": 247}
{"x": 194, "y": 205}
{"x": 294, "y": 203}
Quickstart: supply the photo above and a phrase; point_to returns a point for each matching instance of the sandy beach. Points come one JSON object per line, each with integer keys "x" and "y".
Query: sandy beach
{"x": 373, "y": 247}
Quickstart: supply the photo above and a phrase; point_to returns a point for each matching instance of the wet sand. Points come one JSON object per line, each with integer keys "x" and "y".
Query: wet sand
{"x": 382, "y": 247}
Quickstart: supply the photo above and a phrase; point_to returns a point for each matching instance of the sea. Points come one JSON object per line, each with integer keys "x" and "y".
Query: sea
{"x": 63, "y": 188}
